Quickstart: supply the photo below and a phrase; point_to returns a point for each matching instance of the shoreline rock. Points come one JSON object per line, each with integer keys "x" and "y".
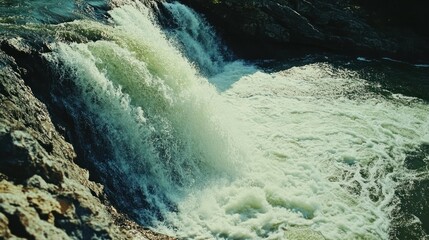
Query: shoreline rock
{"x": 281, "y": 28}
{"x": 43, "y": 192}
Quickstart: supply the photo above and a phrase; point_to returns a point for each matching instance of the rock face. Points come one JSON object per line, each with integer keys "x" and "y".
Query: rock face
{"x": 274, "y": 28}
{"x": 43, "y": 193}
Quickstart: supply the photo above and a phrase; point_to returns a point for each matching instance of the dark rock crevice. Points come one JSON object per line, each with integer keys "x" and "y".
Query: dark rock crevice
{"x": 17, "y": 228}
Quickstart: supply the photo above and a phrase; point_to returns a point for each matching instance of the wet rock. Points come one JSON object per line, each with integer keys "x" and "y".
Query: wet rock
{"x": 279, "y": 28}
{"x": 43, "y": 193}
{"x": 37, "y": 182}
{"x": 29, "y": 212}
{"x": 4, "y": 229}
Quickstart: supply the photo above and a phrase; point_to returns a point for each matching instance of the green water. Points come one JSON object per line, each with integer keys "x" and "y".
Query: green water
{"x": 49, "y": 11}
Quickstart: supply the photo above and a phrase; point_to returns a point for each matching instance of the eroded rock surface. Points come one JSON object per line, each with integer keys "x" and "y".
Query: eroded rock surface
{"x": 43, "y": 193}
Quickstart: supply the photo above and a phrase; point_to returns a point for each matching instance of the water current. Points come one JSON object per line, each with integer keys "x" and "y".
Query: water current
{"x": 198, "y": 145}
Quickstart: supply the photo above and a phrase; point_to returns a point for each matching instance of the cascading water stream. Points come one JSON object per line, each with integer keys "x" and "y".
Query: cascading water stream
{"x": 197, "y": 39}
{"x": 143, "y": 115}
{"x": 308, "y": 152}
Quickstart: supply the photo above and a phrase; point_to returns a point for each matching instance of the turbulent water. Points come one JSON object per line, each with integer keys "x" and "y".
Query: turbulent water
{"x": 198, "y": 146}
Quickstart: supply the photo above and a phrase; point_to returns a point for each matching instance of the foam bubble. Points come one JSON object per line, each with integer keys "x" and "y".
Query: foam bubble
{"x": 309, "y": 152}
{"x": 325, "y": 152}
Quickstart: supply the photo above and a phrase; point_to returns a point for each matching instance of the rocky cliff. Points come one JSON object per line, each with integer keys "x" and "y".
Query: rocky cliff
{"x": 44, "y": 194}
{"x": 279, "y": 28}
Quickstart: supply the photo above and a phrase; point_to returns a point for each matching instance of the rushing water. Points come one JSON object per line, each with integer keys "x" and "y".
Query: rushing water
{"x": 49, "y": 11}
{"x": 198, "y": 146}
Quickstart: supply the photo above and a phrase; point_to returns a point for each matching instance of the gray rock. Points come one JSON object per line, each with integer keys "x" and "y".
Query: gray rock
{"x": 43, "y": 193}
{"x": 37, "y": 181}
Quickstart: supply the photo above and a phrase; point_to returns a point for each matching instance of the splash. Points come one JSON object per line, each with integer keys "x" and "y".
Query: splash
{"x": 197, "y": 39}
{"x": 327, "y": 153}
{"x": 311, "y": 152}
{"x": 143, "y": 115}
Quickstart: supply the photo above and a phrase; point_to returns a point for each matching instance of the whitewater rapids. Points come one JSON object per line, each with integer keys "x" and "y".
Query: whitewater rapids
{"x": 201, "y": 147}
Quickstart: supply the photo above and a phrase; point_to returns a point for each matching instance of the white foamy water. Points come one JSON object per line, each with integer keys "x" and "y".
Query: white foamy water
{"x": 325, "y": 158}
{"x": 196, "y": 38}
{"x": 305, "y": 153}
{"x": 143, "y": 114}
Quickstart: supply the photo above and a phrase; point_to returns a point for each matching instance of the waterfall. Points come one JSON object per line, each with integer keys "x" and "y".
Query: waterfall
{"x": 196, "y": 38}
{"x": 196, "y": 145}
{"x": 198, "y": 42}
{"x": 143, "y": 115}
